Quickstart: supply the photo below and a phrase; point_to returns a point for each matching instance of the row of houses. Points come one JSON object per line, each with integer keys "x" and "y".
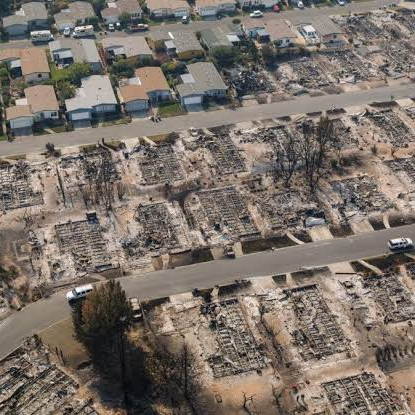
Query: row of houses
{"x": 33, "y": 15}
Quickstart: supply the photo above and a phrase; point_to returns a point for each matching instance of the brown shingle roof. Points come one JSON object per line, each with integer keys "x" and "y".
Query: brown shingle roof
{"x": 41, "y": 98}
{"x": 152, "y": 78}
{"x": 18, "y": 111}
{"x": 133, "y": 92}
{"x": 32, "y": 60}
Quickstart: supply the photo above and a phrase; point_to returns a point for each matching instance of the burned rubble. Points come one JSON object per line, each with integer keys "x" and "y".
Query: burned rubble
{"x": 238, "y": 350}
{"x": 318, "y": 334}
{"x": 222, "y": 211}
{"x": 159, "y": 229}
{"x": 83, "y": 242}
{"x": 16, "y": 189}
{"x": 251, "y": 81}
{"x": 361, "y": 394}
{"x": 159, "y": 164}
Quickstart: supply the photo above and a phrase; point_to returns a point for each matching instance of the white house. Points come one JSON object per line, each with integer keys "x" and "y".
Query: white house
{"x": 207, "y": 8}
{"x": 19, "y": 117}
{"x": 95, "y": 96}
{"x": 168, "y": 8}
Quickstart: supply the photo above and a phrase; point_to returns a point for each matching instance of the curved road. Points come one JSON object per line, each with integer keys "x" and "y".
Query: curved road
{"x": 44, "y": 313}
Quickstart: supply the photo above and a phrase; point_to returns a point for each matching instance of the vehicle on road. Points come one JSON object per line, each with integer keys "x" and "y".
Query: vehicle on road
{"x": 78, "y": 293}
{"x": 83, "y": 31}
{"x": 39, "y": 36}
{"x": 185, "y": 19}
{"x": 111, "y": 27}
{"x": 341, "y": 2}
{"x": 229, "y": 252}
{"x": 140, "y": 27}
{"x": 400, "y": 244}
{"x": 67, "y": 32}
{"x": 300, "y": 4}
{"x": 256, "y": 13}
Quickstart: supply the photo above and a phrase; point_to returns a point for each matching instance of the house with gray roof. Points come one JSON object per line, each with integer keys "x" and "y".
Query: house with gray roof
{"x": 31, "y": 16}
{"x": 184, "y": 45}
{"x": 35, "y": 14}
{"x": 66, "y": 51}
{"x": 15, "y": 25}
{"x": 76, "y": 14}
{"x": 219, "y": 37}
{"x": 95, "y": 97}
{"x": 129, "y": 47}
{"x": 202, "y": 80}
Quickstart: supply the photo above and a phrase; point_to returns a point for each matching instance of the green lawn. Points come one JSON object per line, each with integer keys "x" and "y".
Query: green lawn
{"x": 57, "y": 74}
{"x": 170, "y": 110}
{"x": 3, "y": 137}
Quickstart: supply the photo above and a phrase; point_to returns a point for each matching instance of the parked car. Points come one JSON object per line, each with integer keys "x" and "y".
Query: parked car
{"x": 111, "y": 27}
{"x": 78, "y": 293}
{"x": 185, "y": 19}
{"x": 400, "y": 244}
{"x": 67, "y": 32}
{"x": 136, "y": 308}
{"x": 256, "y": 13}
{"x": 300, "y": 4}
{"x": 341, "y": 2}
{"x": 140, "y": 27}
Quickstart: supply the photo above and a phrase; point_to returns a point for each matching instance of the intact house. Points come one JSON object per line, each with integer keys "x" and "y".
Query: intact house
{"x": 214, "y": 7}
{"x": 112, "y": 13}
{"x": 184, "y": 45}
{"x": 30, "y": 63}
{"x": 128, "y": 47}
{"x": 168, "y": 8}
{"x": 223, "y": 36}
{"x": 248, "y": 4}
{"x": 149, "y": 87}
{"x": 31, "y": 16}
{"x": 95, "y": 97}
{"x": 76, "y": 14}
{"x": 66, "y": 51}
{"x": 15, "y": 25}
{"x": 40, "y": 104}
{"x": 202, "y": 80}
{"x": 321, "y": 30}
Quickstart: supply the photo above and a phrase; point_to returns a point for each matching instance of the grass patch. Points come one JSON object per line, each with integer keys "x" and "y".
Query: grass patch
{"x": 61, "y": 337}
{"x": 3, "y": 137}
{"x": 170, "y": 110}
{"x": 162, "y": 138}
{"x": 258, "y": 245}
{"x": 57, "y": 74}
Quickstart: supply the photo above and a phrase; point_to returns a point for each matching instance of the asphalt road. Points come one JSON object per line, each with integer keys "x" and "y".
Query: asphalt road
{"x": 196, "y": 26}
{"x": 42, "y": 314}
{"x": 208, "y": 119}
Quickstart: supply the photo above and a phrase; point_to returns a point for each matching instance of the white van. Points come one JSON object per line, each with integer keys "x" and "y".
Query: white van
{"x": 78, "y": 293}
{"x": 400, "y": 244}
{"x": 41, "y": 36}
{"x": 83, "y": 31}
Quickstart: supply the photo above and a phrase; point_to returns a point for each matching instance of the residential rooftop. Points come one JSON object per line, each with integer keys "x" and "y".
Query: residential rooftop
{"x": 34, "y": 11}
{"x": 41, "y": 98}
{"x": 32, "y": 60}
{"x": 167, "y": 4}
{"x": 129, "y": 46}
{"x": 83, "y": 50}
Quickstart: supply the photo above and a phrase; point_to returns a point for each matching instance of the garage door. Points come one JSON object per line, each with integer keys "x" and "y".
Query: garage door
{"x": 192, "y": 100}
{"x": 80, "y": 116}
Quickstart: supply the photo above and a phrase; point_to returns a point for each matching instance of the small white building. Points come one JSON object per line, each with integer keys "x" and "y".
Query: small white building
{"x": 207, "y": 8}
{"x": 95, "y": 96}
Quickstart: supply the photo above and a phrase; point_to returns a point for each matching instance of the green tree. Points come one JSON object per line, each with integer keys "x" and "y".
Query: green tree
{"x": 268, "y": 55}
{"x": 225, "y": 57}
{"x": 77, "y": 71}
{"x": 65, "y": 90}
{"x": 122, "y": 68}
{"x": 99, "y": 321}
{"x": 125, "y": 18}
